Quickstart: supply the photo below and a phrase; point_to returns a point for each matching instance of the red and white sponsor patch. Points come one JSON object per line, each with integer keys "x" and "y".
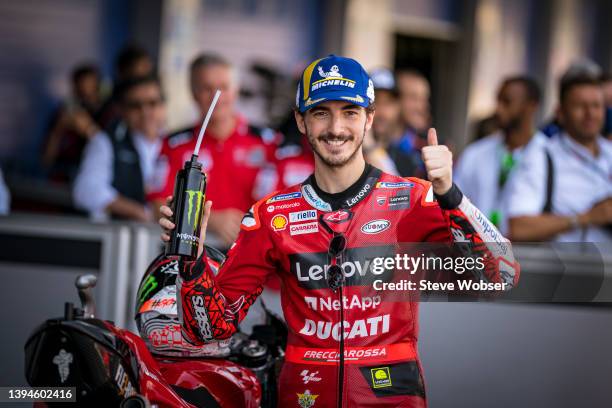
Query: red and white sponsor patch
{"x": 337, "y": 216}
{"x": 272, "y": 208}
{"x": 306, "y": 228}
{"x": 352, "y": 355}
{"x": 375, "y": 226}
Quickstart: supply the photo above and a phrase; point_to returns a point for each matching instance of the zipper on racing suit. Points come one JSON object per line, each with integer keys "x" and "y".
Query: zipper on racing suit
{"x": 341, "y": 368}
{"x": 336, "y": 282}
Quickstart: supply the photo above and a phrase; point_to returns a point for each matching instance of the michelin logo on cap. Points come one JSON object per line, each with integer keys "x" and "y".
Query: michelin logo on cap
{"x": 334, "y": 79}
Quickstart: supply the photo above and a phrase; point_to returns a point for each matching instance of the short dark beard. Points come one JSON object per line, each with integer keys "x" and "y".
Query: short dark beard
{"x": 327, "y": 162}
{"x": 512, "y": 125}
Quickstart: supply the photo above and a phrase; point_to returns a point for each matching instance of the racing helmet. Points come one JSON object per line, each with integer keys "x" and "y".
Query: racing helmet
{"x": 157, "y": 315}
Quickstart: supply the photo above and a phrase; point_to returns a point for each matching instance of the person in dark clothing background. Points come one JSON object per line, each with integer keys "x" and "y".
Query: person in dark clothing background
{"x": 389, "y": 129}
{"x": 73, "y": 125}
{"x": 117, "y": 168}
{"x": 131, "y": 62}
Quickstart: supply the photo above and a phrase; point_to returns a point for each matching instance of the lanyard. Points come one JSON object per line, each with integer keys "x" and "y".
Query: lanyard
{"x": 507, "y": 164}
{"x": 509, "y": 160}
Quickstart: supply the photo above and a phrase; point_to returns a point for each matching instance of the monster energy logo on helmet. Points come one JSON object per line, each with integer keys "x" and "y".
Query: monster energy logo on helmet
{"x": 147, "y": 287}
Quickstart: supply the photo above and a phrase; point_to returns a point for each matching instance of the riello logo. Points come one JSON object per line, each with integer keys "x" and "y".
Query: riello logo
{"x": 197, "y": 196}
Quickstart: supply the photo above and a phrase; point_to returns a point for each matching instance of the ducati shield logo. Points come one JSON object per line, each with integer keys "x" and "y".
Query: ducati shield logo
{"x": 374, "y": 227}
{"x": 392, "y": 200}
{"x": 63, "y": 360}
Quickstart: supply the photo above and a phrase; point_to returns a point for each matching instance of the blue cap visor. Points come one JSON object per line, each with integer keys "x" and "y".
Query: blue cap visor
{"x": 343, "y": 96}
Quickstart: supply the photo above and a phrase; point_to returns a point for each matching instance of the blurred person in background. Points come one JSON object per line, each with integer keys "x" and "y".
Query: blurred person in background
{"x": 415, "y": 92}
{"x": 291, "y": 163}
{"x": 606, "y": 83}
{"x": 73, "y": 125}
{"x": 579, "y": 68}
{"x": 5, "y": 197}
{"x": 485, "y": 126}
{"x": 563, "y": 190}
{"x": 389, "y": 130}
{"x": 485, "y": 168}
{"x": 232, "y": 152}
{"x": 376, "y": 155}
{"x": 118, "y": 167}
{"x": 132, "y": 62}
{"x": 293, "y": 160}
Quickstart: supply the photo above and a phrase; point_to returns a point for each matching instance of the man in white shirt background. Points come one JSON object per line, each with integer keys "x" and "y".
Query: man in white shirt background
{"x": 569, "y": 200}
{"x": 117, "y": 169}
{"x": 485, "y": 169}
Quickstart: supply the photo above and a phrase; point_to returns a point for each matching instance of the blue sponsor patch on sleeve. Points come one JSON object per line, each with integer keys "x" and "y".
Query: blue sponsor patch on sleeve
{"x": 283, "y": 197}
{"x": 399, "y": 184}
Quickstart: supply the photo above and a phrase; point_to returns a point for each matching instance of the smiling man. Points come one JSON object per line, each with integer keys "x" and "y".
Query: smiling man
{"x": 348, "y": 344}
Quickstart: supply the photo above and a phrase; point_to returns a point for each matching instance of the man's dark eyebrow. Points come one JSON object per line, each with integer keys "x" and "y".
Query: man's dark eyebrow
{"x": 349, "y": 107}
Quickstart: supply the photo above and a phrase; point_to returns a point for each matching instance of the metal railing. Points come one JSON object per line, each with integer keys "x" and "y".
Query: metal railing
{"x": 123, "y": 250}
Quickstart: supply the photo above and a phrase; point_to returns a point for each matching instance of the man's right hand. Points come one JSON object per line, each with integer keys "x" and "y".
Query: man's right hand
{"x": 167, "y": 225}
{"x": 600, "y": 214}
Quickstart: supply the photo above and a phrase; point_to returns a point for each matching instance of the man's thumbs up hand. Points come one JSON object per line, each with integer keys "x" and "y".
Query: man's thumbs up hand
{"x": 438, "y": 163}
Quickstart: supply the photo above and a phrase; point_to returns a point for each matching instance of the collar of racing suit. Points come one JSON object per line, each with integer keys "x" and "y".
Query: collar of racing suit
{"x": 344, "y": 199}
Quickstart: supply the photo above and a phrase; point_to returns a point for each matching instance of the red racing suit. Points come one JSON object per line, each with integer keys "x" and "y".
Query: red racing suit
{"x": 371, "y": 358}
